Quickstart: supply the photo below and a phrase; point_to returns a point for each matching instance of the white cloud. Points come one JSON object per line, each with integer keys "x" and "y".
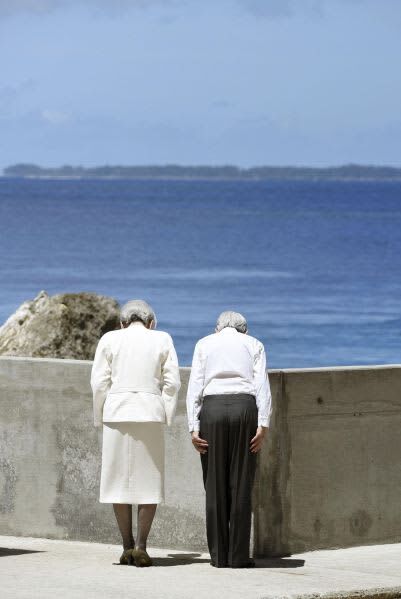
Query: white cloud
{"x": 55, "y": 117}
{"x": 259, "y": 8}
{"x": 12, "y": 97}
{"x": 282, "y": 8}
{"x": 38, "y": 7}
{"x": 35, "y": 6}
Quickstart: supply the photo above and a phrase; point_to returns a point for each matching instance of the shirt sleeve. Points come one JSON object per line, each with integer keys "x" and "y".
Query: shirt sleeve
{"x": 171, "y": 381}
{"x": 195, "y": 390}
{"x": 100, "y": 380}
{"x": 262, "y": 387}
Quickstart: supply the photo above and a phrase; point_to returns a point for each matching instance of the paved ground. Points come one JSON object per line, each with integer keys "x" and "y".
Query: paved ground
{"x": 43, "y": 569}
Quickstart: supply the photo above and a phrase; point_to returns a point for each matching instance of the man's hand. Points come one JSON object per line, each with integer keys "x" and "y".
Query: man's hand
{"x": 257, "y": 441}
{"x": 199, "y": 444}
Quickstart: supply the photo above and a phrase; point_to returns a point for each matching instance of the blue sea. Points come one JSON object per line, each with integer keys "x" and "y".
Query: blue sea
{"x": 314, "y": 266}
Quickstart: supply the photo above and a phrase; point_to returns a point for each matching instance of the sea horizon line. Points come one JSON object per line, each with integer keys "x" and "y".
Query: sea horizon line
{"x": 351, "y": 171}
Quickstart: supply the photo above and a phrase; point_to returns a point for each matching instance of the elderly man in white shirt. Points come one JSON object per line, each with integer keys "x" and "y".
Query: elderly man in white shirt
{"x": 229, "y": 408}
{"x": 135, "y": 381}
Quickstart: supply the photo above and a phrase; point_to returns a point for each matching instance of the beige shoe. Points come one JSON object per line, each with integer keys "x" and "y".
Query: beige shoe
{"x": 141, "y": 558}
{"x": 126, "y": 558}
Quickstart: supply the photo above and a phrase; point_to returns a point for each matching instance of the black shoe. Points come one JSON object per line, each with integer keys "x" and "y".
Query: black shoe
{"x": 212, "y": 563}
{"x": 249, "y": 564}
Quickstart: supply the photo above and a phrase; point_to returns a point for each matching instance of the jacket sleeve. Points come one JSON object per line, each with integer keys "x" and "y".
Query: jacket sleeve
{"x": 171, "y": 381}
{"x": 195, "y": 390}
{"x": 100, "y": 380}
{"x": 262, "y": 386}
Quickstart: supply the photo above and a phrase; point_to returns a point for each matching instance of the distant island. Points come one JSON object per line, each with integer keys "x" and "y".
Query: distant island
{"x": 173, "y": 171}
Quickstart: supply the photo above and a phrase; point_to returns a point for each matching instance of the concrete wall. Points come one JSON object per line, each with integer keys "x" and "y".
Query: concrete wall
{"x": 328, "y": 476}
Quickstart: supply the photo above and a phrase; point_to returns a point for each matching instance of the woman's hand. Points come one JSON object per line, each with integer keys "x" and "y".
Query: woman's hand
{"x": 199, "y": 444}
{"x": 257, "y": 441}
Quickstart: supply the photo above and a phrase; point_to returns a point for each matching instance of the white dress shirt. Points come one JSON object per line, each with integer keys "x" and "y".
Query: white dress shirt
{"x": 135, "y": 376}
{"x": 228, "y": 362}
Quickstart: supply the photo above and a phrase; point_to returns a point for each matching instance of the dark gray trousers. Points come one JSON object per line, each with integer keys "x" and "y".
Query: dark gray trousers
{"x": 228, "y": 423}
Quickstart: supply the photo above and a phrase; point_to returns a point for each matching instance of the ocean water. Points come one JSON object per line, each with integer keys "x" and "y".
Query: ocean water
{"x": 314, "y": 266}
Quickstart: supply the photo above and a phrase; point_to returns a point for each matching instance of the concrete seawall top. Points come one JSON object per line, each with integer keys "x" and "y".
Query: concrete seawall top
{"x": 188, "y": 368}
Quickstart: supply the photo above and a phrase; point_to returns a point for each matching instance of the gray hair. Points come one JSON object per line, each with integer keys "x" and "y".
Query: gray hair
{"x": 137, "y": 310}
{"x": 234, "y": 320}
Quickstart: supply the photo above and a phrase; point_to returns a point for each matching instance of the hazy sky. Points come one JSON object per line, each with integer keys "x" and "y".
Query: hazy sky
{"x": 209, "y": 81}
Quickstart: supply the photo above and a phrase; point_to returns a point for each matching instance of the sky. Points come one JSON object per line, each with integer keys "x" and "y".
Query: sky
{"x": 245, "y": 82}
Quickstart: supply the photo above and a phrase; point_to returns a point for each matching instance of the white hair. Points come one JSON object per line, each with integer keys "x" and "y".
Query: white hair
{"x": 234, "y": 320}
{"x": 137, "y": 310}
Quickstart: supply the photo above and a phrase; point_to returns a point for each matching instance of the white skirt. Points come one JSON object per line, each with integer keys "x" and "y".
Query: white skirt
{"x": 132, "y": 463}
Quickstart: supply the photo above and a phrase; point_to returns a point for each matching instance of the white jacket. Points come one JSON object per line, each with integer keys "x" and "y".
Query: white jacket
{"x": 228, "y": 362}
{"x": 135, "y": 376}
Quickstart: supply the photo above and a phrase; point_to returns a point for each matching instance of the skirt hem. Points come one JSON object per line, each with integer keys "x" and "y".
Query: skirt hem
{"x": 132, "y": 500}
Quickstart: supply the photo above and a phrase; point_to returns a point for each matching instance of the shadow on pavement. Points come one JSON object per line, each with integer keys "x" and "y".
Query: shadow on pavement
{"x": 180, "y": 559}
{"x": 177, "y": 559}
{"x": 279, "y": 562}
{"x": 5, "y": 551}
{"x": 186, "y": 559}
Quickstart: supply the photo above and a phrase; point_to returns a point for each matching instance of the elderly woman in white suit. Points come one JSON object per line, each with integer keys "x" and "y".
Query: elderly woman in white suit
{"x": 135, "y": 381}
